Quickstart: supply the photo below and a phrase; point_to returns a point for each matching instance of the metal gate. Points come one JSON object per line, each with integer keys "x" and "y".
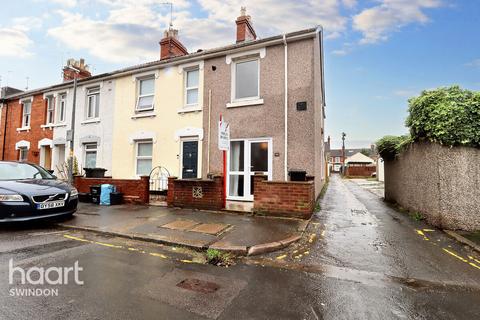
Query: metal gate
{"x": 159, "y": 180}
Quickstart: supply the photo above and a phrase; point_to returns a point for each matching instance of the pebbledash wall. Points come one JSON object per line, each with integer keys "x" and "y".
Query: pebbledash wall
{"x": 440, "y": 182}
{"x": 266, "y": 119}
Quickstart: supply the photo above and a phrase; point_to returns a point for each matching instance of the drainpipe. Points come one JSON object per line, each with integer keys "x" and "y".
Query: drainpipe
{"x": 5, "y": 130}
{"x": 209, "y": 127}
{"x": 286, "y": 105}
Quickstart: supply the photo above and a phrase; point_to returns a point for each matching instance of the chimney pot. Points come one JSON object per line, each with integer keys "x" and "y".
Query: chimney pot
{"x": 75, "y": 69}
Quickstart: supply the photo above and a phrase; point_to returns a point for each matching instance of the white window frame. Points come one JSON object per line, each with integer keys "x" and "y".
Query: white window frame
{"x": 50, "y": 119}
{"x": 20, "y": 152}
{"x": 137, "y": 157}
{"x": 234, "y": 79}
{"x": 94, "y": 94}
{"x": 26, "y": 123}
{"x": 85, "y": 151}
{"x": 62, "y": 103}
{"x": 138, "y": 81}
{"x": 186, "y": 89}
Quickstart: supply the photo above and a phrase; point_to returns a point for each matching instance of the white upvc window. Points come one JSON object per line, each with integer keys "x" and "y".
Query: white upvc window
{"x": 26, "y": 114}
{"x": 145, "y": 93}
{"x": 23, "y": 154}
{"x": 90, "y": 155}
{"x": 62, "y": 107}
{"x": 93, "y": 103}
{"x": 144, "y": 158}
{"x": 50, "y": 110}
{"x": 191, "y": 87}
{"x": 246, "y": 79}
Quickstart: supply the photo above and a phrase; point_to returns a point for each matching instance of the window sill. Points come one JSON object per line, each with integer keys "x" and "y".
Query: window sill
{"x": 23, "y": 129}
{"x": 144, "y": 115}
{"x": 187, "y": 109}
{"x": 88, "y": 121}
{"x": 245, "y": 103}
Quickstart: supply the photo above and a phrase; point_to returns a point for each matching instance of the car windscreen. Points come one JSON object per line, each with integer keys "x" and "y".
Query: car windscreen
{"x": 22, "y": 171}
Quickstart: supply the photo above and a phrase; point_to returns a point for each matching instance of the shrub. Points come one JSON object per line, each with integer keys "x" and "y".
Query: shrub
{"x": 448, "y": 116}
{"x": 389, "y": 146}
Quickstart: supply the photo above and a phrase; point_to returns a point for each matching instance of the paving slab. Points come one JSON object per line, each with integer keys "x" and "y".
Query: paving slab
{"x": 186, "y": 227}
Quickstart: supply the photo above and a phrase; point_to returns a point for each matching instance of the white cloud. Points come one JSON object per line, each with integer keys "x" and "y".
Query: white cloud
{"x": 65, "y": 3}
{"x": 15, "y": 43}
{"x": 378, "y": 22}
{"x": 475, "y": 63}
{"x": 27, "y": 23}
{"x": 340, "y": 52}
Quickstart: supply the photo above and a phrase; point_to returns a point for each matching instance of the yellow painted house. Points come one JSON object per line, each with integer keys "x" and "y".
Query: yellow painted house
{"x": 158, "y": 121}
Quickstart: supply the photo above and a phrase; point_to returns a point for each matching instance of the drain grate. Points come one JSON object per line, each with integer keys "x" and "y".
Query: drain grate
{"x": 198, "y": 285}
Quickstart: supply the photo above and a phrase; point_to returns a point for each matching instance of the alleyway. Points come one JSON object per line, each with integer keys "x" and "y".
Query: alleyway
{"x": 359, "y": 260}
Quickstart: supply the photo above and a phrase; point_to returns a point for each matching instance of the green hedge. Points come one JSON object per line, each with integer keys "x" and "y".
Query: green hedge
{"x": 389, "y": 146}
{"x": 448, "y": 116}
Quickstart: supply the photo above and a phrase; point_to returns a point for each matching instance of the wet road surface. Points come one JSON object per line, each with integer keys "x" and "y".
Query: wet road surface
{"x": 360, "y": 259}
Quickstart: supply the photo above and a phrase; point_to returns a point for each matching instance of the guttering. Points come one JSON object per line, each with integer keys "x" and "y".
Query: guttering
{"x": 213, "y": 53}
{"x": 286, "y": 104}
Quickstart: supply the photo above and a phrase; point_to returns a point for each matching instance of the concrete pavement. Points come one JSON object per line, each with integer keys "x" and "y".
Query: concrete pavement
{"x": 240, "y": 234}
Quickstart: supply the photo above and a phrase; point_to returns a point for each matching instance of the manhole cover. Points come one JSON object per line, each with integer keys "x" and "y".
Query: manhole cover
{"x": 198, "y": 285}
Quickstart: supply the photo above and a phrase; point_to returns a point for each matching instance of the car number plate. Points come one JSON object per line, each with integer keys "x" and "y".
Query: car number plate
{"x": 51, "y": 205}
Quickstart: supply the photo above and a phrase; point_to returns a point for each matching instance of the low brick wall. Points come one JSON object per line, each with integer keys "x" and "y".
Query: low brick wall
{"x": 134, "y": 190}
{"x": 441, "y": 183}
{"x": 295, "y": 199}
{"x": 360, "y": 171}
{"x": 204, "y": 194}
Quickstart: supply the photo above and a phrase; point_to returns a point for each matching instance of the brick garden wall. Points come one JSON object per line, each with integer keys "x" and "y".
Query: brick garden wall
{"x": 195, "y": 193}
{"x": 295, "y": 199}
{"x": 360, "y": 171}
{"x": 134, "y": 190}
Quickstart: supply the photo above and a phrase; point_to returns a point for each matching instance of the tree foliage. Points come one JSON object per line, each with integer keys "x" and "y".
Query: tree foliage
{"x": 389, "y": 146}
{"x": 448, "y": 116}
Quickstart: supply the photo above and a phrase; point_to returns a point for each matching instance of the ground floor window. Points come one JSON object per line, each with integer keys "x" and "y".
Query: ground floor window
{"x": 90, "y": 157}
{"x": 22, "y": 154}
{"x": 144, "y": 158}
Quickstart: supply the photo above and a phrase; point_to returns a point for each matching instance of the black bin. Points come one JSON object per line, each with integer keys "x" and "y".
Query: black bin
{"x": 116, "y": 198}
{"x": 95, "y": 193}
{"x": 84, "y": 197}
{"x": 297, "y": 175}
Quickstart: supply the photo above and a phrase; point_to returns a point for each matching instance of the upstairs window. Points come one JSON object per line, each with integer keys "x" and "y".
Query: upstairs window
{"x": 27, "y": 109}
{"x": 93, "y": 103}
{"x": 90, "y": 155}
{"x": 146, "y": 90}
{"x": 50, "y": 110}
{"x": 191, "y": 87}
{"x": 246, "y": 77}
{"x": 62, "y": 106}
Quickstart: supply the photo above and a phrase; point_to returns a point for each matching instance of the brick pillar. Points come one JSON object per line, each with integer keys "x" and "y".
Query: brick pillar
{"x": 257, "y": 179}
{"x": 171, "y": 191}
{"x": 145, "y": 196}
{"x": 218, "y": 179}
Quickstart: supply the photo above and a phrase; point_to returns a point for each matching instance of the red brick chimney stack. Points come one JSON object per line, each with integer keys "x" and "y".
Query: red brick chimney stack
{"x": 245, "y": 31}
{"x": 170, "y": 46}
{"x": 75, "y": 69}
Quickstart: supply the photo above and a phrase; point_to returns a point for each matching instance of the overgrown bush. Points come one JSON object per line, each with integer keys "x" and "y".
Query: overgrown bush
{"x": 389, "y": 146}
{"x": 448, "y": 116}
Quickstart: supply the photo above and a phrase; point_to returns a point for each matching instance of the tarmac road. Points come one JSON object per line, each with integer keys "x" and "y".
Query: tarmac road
{"x": 359, "y": 260}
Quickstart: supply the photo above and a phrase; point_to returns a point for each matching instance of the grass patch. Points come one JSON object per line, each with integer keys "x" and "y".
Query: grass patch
{"x": 219, "y": 258}
{"x": 417, "y": 216}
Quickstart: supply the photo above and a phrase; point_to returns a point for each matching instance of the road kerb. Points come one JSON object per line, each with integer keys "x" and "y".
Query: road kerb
{"x": 463, "y": 240}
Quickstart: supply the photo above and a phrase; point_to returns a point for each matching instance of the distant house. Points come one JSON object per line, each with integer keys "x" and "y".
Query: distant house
{"x": 360, "y": 165}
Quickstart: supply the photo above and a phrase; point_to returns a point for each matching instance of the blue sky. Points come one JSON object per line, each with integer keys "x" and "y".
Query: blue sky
{"x": 378, "y": 53}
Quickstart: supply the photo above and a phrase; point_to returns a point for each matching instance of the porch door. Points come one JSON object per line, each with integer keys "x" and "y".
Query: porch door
{"x": 47, "y": 160}
{"x": 245, "y": 158}
{"x": 189, "y": 159}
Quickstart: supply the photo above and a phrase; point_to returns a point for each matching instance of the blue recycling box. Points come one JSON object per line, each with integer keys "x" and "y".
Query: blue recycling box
{"x": 106, "y": 189}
